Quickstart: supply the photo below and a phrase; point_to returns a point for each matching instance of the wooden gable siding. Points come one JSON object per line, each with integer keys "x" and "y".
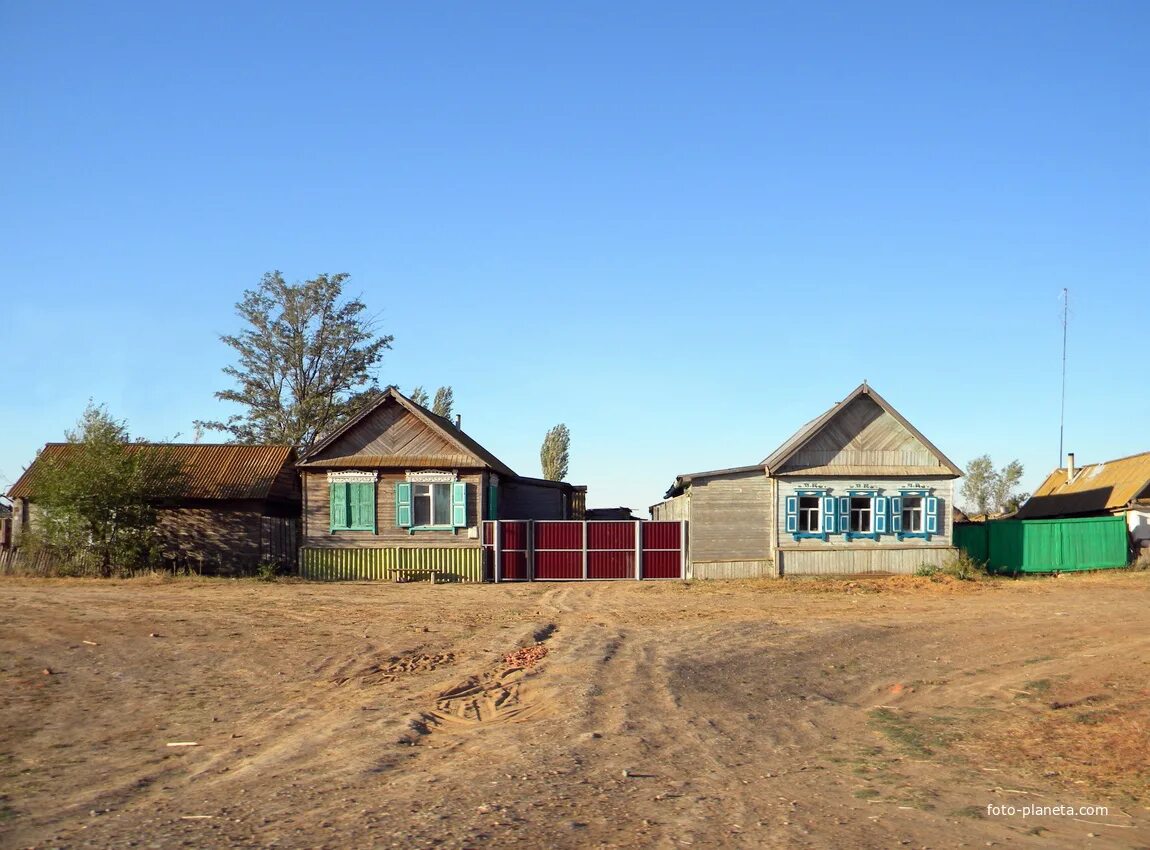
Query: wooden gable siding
{"x": 731, "y": 518}
{"x": 389, "y": 430}
{"x": 317, "y": 517}
{"x": 941, "y": 488}
{"x": 862, "y": 436}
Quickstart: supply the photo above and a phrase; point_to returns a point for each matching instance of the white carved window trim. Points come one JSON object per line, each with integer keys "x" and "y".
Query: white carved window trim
{"x": 431, "y": 476}
{"x": 352, "y": 475}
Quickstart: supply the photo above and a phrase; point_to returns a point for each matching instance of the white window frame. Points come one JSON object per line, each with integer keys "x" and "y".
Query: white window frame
{"x": 818, "y": 515}
{"x": 437, "y": 494}
{"x": 909, "y": 511}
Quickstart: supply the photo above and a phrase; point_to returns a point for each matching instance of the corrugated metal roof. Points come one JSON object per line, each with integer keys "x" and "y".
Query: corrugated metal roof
{"x": 212, "y": 471}
{"x": 1097, "y": 487}
{"x": 398, "y": 461}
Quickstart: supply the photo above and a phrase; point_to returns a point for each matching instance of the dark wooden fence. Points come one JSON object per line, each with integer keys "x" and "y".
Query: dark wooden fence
{"x": 574, "y": 550}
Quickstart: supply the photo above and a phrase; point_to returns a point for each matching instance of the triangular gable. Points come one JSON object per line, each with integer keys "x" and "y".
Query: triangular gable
{"x": 859, "y": 435}
{"x": 396, "y": 428}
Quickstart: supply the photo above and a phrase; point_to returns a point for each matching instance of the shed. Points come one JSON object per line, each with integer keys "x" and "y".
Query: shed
{"x": 237, "y": 506}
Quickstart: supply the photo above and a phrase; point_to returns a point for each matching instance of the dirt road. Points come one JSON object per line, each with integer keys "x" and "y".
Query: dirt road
{"x": 832, "y": 714}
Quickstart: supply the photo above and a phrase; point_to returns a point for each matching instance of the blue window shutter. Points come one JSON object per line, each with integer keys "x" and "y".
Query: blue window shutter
{"x": 844, "y": 514}
{"x": 403, "y": 504}
{"x": 459, "y": 504}
{"x": 880, "y": 514}
{"x": 932, "y": 515}
{"x": 829, "y": 524}
{"x": 792, "y": 514}
{"x": 338, "y": 505}
{"x": 896, "y": 514}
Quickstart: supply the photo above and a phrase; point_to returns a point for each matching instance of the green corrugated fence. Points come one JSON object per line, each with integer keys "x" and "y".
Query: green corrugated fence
{"x": 1046, "y": 545}
{"x": 389, "y": 564}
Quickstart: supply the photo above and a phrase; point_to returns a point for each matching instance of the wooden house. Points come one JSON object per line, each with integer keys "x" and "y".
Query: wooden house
{"x": 1118, "y": 487}
{"x": 856, "y": 490}
{"x": 397, "y": 491}
{"x": 237, "y": 506}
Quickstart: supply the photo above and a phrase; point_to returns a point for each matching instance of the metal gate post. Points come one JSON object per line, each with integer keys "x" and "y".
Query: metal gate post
{"x": 683, "y": 572}
{"x": 638, "y": 550}
{"x": 498, "y": 575}
{"x": 586, "y": 575}
{"x": 530, "y": 544}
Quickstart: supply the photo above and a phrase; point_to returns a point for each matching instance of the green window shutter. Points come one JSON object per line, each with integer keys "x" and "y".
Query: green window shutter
{"x": 403, "y": 504}
{"x": 493, "y": 502}
{"x": 363, "y": 506}
{"x": 338, "y": 505}
{"x": 459, "y": 504}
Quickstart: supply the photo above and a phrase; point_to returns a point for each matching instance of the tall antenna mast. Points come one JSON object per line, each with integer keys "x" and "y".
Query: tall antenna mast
{"x": 1062, "y": 415}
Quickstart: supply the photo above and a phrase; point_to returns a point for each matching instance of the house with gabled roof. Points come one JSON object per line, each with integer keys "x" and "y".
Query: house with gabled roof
{"x": 234, "y": 508}
{"x": 397, "y": 491}
{"x": 858, "y": 489}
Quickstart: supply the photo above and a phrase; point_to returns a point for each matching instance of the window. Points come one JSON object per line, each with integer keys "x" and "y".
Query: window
{"x": 809, "y": 515}
{"x": 912, "y": 515}
{"x": 352, "y": 505}
{"x": 436, "y": 505}
{"x": 860, "y": 514}
{"x": 431, "y": 504}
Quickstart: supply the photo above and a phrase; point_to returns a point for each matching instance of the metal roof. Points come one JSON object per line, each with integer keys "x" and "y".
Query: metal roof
{"x": 1096, "y": 488}
{"x": 211, "y": 471}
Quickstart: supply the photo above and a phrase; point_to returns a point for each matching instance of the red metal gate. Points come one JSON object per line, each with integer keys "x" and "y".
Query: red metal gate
{"x": 574, "y": 550}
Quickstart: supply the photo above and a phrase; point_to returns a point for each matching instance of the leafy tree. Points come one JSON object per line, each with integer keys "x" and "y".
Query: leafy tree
{"x": 99, "y": 495}
{"x": 307, "y": 359}
{"x": 553, "y": 454}
{"x": 444, "y": 402}
{"x": 989, "y": 489}
{"x": 419, "y": 396}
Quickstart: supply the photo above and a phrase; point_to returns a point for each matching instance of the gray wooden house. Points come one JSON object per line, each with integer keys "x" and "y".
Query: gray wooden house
{"x": 859, "y": 489}
{"x": 399, "y": 491}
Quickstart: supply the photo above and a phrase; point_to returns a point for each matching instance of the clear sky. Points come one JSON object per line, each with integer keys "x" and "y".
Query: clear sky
{"x": 682, "y": 229}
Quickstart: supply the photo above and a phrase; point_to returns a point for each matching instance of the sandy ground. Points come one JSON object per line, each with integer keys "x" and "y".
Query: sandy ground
{"x": 829, "y": 714}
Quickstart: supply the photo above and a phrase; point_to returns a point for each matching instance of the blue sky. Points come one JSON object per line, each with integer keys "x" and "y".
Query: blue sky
{"x": 682, "y": 229}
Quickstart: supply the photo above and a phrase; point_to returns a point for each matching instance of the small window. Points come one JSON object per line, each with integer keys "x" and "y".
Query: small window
{"x": 912, "y": 515}
{"x": 809, "y": 515}
{"x": 431, "y": 504}
{"x": 860, "y": 514}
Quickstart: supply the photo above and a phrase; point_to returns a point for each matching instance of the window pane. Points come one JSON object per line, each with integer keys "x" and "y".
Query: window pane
{"x": 860, "y": 513}
{"x": 441, "y": 504}
{"x": 421, "y": 504}
{"x": 809, "y": 513}
{"x": 912, "y": 514}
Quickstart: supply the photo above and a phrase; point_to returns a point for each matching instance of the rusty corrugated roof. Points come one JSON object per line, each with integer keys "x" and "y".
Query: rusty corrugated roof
{"x": 211, "y": 471}
{"x": 1096, "y": 487}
